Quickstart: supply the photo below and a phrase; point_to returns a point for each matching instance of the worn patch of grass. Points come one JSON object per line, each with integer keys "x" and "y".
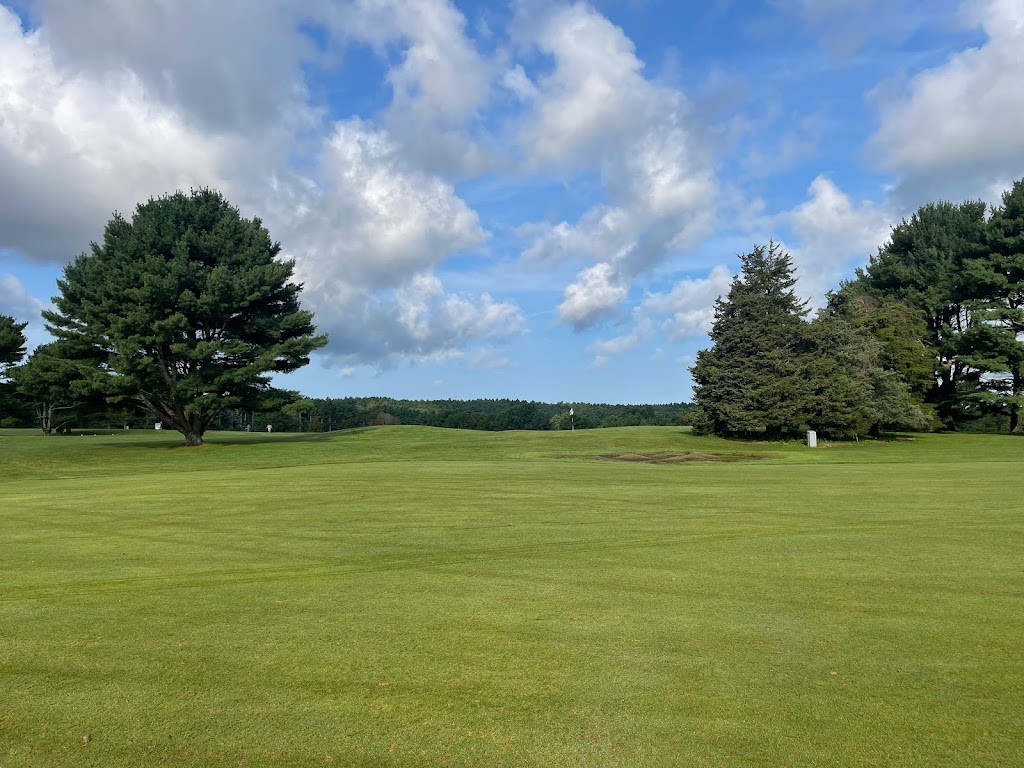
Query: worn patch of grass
{"x": 406, "y": 596}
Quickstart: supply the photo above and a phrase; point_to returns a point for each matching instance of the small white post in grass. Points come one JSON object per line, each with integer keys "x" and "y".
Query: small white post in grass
{"x": 572, "y": 420}
{"x": 812, "y": 438}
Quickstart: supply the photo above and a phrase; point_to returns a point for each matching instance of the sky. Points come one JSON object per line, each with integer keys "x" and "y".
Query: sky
{"x": 530, "y": 199}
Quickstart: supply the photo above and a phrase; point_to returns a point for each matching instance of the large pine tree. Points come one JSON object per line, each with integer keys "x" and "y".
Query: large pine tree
{"x": 926, "y": 265}
{"x": 993, "y": 344}
{"x": 186, "y": 309}
{"x": 749, "y": 382}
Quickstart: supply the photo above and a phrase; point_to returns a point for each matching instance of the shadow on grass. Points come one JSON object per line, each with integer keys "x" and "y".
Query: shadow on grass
{"x": 240, "y": 438}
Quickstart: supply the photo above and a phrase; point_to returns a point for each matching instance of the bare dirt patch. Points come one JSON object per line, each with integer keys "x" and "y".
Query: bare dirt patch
{"x": 668, "y": 457}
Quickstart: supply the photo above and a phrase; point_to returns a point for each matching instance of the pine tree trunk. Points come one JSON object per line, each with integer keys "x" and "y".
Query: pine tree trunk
{"x": 1018, "y": 384}
{"x": 45, "y": 412}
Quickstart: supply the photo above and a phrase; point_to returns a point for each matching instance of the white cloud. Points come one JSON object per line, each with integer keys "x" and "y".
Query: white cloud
{"x": 596, "y": 110}
{"x": 367, "y": 235}
{"x": 439, "y": 84}
{"x": 594, "y": 96}
{"x": 604, "y": 349}
{"x": 955, "y": 129}
{"x": 228, "y": 65}
{"x": 689, "y": 304}
{"x": 74, "y": 148}
{"x": 682, "y": 313}
{"x": 371, "y": 219}
{"x": 516, "y": 81}
{"x": 85, "y": 132}
{"x": 594, "y": 296}
{"x": 16, "y": 301}
{"x": 833, "y": 234}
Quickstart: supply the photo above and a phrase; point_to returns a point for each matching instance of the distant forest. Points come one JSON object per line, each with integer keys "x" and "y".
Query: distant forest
{"x": 328, "y": 414}
{"x": 319, "y": 415}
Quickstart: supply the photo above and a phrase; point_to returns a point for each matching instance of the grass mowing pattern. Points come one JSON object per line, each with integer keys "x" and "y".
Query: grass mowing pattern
{"x": 407, "y": 596}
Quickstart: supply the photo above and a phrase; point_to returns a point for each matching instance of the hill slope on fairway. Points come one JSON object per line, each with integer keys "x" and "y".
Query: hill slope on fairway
{"x": 408, "y": 596}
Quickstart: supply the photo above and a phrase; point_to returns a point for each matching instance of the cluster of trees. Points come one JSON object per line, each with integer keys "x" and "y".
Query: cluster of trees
{"x": 184, "y": 311}
{"x": 930, "y": 334}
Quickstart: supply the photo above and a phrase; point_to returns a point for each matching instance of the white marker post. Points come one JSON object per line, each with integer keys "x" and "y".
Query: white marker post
{"x": 572, "y": 421}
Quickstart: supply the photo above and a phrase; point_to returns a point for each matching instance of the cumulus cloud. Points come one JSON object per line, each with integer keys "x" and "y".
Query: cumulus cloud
{"x": 682, "y": 313}
{"x": 197, "y": 56}
{"x": 371, "y": 218}
{"x": 688, "y": 305}
{"x": 956, "y": 126}
{"x": 596, "y": 293}
{"x": 73, "y": 148}
{"x": 367, "y": 234}
{"x": 596, "y": 110}
{"x": 440, "y": 82}
{"x": 833, "y": 234}
{"x": 93, "y": 126}
{"x": 417, "y": 322}
{"x": 15, "y": 300}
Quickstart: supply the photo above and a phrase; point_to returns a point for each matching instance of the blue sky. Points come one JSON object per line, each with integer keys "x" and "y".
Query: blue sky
{"x": 526, "y": 199}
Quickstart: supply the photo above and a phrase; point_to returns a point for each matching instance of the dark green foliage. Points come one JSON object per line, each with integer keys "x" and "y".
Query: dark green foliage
{"x": 850, "y": 391}
{"x": 12, "y": 350}
{"x": 994, "y": 344}
{"x": 185, "y": 309}
{"x": 770, "y": 373}
{"x": 12, "y": 342}
{"x": 898, "y": 328}
{"x": 926, "y": 265}
{"x": 749, "y": 382}
{"x": 964, "y": 278}
{"x": 492, "y": 415}
{"x": 54, "y": 385}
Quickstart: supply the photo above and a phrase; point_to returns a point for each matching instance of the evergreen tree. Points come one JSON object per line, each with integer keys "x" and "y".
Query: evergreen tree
{"x": 749, "y": 382}
{"x": 925, "y": 266}
{"x": 53, "y": 385}
{"x": 850, "y": 390}
{"x": 12, "y": 342}
{"x": 12, "y": 350}
{"x": 187, "y": 310}
{"x": 997, "y": 283}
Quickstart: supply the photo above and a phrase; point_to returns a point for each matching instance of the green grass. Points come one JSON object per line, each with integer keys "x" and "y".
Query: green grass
{"x": 406, "y": 596}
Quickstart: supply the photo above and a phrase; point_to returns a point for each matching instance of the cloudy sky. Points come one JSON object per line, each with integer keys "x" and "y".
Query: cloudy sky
{"x": 506, "y": 198}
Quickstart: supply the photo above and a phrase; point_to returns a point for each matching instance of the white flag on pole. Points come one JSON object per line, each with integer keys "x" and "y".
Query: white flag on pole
{"x": 571, "y": 412}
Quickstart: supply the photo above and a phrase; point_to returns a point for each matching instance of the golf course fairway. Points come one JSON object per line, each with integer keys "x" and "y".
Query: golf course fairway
{"x": 407, "y": 596}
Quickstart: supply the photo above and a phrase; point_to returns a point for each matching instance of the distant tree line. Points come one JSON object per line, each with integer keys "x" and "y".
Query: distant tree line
{"x": 494, "y": 415}
{"x": 301, "y": 414}
{"x": 929, "y": 335}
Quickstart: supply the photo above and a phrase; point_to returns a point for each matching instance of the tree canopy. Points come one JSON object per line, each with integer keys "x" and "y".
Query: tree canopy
{"x": 185, "y": 308}
{"x": 748, "y": 382}
{"x": 770, "y": 373}
{"x": 12, "y": 342}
